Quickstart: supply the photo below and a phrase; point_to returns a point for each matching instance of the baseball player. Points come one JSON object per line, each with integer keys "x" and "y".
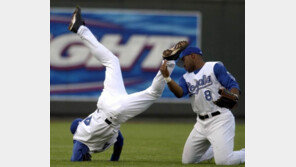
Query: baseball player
{"x": 100, "y": 130}
{"x": 213, "y": 91}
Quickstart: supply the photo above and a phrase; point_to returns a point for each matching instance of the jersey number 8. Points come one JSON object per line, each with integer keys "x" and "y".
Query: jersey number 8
{"x": 208, "y": 95}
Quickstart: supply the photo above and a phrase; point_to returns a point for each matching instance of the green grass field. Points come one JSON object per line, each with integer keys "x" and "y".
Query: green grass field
{"x": 145, "y": 144}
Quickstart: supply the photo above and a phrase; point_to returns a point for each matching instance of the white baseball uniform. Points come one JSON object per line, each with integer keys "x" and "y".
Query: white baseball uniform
{"x": 114, "y": 103}
{"x": 218, "y": 130}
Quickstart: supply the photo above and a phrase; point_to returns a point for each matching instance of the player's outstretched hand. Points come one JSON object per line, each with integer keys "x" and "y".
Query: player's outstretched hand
{"x": 164, "y": 69}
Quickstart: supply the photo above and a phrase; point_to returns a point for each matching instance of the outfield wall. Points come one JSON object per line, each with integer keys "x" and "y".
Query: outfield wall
{"x": 222, "y": 38}
{"x": 160, "y": 109}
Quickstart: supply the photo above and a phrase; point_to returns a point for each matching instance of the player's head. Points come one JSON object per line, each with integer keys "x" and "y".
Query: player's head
{"x": 74, "y": 125}
{"x": 188, "y": 58}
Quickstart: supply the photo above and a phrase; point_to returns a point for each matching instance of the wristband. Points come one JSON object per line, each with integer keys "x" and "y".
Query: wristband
{"x": 168, "y": 79}
{"x": 235, "y": 95}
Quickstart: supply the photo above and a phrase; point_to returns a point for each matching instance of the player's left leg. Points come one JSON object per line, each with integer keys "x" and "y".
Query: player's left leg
{"x": 222, "y": 140}
{"x": 137, "y": 103}
{"x": 80, "y": 152}
{"x": 113, "y": 78}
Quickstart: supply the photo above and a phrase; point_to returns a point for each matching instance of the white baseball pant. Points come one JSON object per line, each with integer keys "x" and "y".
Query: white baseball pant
{"x": 216, "y": 131}
{"x": 114, "y": 100}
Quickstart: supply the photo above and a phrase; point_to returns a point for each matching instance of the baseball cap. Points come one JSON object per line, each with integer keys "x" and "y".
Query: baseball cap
{"x": 74, "y": 125}
{"x": 187, "y": 51}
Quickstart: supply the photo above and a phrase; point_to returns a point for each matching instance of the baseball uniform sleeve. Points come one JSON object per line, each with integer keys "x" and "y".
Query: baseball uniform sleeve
{"x": 224, "y": 77}
{"x": 183, "y": 85}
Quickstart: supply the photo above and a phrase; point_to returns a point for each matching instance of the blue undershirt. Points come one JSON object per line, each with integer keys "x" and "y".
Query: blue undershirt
{"x": 223, "y": 76}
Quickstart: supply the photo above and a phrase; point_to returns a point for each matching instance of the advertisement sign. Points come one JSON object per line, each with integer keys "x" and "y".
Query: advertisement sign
{"x": 138, "y": 38}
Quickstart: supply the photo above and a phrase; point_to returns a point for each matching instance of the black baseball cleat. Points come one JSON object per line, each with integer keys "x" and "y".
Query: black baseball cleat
{"x": 76, "y": 20}
{"x": 174, "y": 52}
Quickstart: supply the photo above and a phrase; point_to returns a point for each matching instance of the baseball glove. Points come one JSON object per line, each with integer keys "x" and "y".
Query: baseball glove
{"x": 227, "y": 99}
{"x": 174, "y": 52}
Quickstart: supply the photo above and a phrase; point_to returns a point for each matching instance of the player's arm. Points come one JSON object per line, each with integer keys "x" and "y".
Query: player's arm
{"x": 117, "y": 147}
{"x": 173, "y": 86}
{"x": 230, "y": 95}
{"x": 226, "y": 79}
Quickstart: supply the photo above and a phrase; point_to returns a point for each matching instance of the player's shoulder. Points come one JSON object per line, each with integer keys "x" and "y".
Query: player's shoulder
{"x": 215, "y": 62}
{"x": 209, "y": 65}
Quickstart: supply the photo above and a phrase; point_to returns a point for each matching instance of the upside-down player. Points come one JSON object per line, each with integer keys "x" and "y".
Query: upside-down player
{"x": 100, "y": 129}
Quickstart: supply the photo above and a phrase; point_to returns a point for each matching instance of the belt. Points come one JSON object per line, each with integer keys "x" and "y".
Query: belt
{"x": 106, "y": 119}
{"x": 108, "y": 122}
{"x": 203, "y": 117}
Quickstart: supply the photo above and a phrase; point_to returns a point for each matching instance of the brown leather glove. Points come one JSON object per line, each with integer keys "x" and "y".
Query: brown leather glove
{"x": 174, "y": 52}
{"x": 227, "y": 99}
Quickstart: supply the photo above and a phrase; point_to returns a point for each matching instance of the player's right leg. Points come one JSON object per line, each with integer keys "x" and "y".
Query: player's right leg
{"x": 136, "y": 103}
{"x": 195, "y": 148}
{"x": 113, "y": 77}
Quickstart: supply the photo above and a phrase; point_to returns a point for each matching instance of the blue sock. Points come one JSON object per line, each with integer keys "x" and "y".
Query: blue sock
{"x": 117, "y": 148}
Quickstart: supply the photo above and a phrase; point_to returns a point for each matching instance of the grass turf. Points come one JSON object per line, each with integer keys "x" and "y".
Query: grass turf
{"x": 145, "y": 144}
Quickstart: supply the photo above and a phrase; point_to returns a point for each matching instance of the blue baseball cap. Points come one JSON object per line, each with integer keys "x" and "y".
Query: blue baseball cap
{"x": 187, "y": 51}
{"x": 74, "y": 125}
